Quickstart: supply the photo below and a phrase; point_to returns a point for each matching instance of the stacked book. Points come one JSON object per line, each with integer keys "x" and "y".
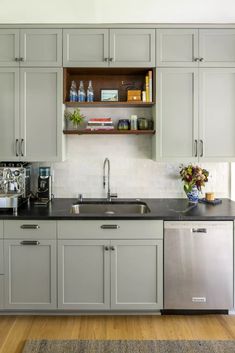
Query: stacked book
{"x": 149, "y": 86}
{"x": 100, "y": 124}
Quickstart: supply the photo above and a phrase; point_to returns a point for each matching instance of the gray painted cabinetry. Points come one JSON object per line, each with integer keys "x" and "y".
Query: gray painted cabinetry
{"x": 109, "y": 47}
{"x": 30, "y": 47}
{"x": 101, "y": 269}
{"x": 30, "y": 265}
{"x": 195, "y": 106}
{"x": 1, "y": 267}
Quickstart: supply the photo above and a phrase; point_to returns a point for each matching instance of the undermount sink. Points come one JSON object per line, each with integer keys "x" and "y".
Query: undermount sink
{"x": 110, "y": 208}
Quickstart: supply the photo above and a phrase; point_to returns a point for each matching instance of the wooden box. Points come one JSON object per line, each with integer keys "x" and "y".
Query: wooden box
{"x": 133, "y": 95}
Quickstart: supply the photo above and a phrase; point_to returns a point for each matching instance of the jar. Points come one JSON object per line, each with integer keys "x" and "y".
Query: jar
{"x": 123, "y": 124}
{"x": 133, "y": 122}
{"x": 142, "y": 124}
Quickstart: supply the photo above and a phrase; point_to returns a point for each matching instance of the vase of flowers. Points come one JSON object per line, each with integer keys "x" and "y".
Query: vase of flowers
{"x": 194, "y": 178}
{"x": 76, "y": 117}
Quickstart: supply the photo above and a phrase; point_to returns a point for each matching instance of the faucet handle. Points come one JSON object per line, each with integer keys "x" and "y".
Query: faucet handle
{"x": 80, "y": 197}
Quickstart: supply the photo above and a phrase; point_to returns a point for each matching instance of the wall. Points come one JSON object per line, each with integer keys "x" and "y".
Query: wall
{"x": 133, "y": 173}
{"x": 113, "y": 11}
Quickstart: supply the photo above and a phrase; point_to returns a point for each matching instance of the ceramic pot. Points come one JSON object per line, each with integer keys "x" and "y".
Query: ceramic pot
{"x": 193, "y": 195}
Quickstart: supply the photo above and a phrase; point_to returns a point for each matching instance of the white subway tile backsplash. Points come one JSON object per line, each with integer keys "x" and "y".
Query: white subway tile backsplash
{"x": 133, "y": 173}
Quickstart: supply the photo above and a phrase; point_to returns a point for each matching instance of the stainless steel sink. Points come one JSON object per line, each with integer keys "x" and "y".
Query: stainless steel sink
{"x": 110, "y": 208}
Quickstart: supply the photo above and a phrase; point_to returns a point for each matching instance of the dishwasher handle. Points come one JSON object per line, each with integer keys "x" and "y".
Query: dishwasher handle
{"x": 199, "y": 230}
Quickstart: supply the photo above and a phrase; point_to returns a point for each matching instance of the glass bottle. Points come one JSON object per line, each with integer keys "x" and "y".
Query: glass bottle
{"x": 81, "y": 93}
{"x": 90, "y": 92}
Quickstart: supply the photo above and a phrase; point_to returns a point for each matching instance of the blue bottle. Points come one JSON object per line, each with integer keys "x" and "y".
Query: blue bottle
{"x": 90, "y": 92}
{"x": 73, "y": 95}
{"x": 81, "y": 93}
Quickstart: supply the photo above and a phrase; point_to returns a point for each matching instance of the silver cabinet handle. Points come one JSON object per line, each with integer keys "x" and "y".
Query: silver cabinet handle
{"x": 29, "y": 226}
{"x": 106, "y": 59}
{"x": 17, "y": 59}
{"x": 21, "y": 148}
{"x": 17, "y": 147}
{"x": 112, "y": 248}
{"x": 199, "y": 230}
{"x": 21, "y": 59}
{"x": 195, "y": 143}
{"x": 196, "y": 60}
{"x": 106, "y": 248}
{"x": 111, "y": 59}
{"x": 30, "y": 242}
{"x": 109, "y": 226}
{"x": 201, "y": 59}
{"x": 201, "y": 142}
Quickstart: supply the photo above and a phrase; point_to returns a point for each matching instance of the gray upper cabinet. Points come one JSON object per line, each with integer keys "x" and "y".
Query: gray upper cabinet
{"x": 9, "y": 47}
{"x": 217, "y": 114}
{"x": 177, "y": 47}
{"x": 85, "y": 47}
{"x": 1, "y": 292}
{"x": 177, "y": 115}
{"x": 109, "y": 48}
{"x": 31, "y": 114}
{"x": 31, "y": 47}
{"x": 136, "y": 274}
{"x": 9, "y": 113}
{"x": 217, "y": 47}
{"x": 132, "y": 48}
{"x": 41, "y": 47}
{"x": 41, "y": 114}
{"x": 30, "y": 274}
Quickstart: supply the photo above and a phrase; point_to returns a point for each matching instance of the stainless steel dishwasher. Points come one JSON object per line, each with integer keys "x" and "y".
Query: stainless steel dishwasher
{"x": 198, "y": 265}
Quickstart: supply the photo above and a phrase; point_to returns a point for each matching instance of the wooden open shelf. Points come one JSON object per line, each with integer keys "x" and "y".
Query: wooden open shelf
{"x": 121, "y": 79}
{"x": 109, "y": 104}
{"x": 109, "y": 132}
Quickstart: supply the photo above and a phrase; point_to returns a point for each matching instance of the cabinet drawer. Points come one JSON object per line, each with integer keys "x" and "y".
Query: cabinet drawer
{"x": 1, "y": 229}
{"x": 110, "y": 229}
{"x": 30, "y": 229}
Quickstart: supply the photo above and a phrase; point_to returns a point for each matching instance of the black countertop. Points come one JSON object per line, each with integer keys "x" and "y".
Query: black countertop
{"x": 166, "y": 209}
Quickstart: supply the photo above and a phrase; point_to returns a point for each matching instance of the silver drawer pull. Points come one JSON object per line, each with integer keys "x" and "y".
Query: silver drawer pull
{"x": 109, "y": 226}
{"x": 199, "y": 230}
{"x": 29, "y": 226}
{"x": 30, "y": 242}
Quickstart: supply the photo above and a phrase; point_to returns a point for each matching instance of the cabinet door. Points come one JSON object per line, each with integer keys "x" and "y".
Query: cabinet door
{"x": 9, "y": 114}
{"x": 217, "y": 47}
{"x": 85, "y": 47}
{"x": 1, "y": 257}
{"x": 41, "y": 116}
{"x": 177, "y": 47}
{"x": 41, "y": 47}
{"x": 1, "y": 292}
{"x": 83, "y": 274}
{"x": 176, "y": 115}
{"x": 9, "y": 47}
{"x": 132, "y": 48}
{"x": 217, "y": 114}
{"x": 136, "y": 274}
{"x": 30, "y": 275}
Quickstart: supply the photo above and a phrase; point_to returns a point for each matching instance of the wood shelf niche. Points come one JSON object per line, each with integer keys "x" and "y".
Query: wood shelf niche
{"x": 109, "y": 132}
{"x": 121, "y": 79}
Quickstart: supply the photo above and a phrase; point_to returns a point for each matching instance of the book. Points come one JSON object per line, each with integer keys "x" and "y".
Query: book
{"x": 147, "y": 88}
{"x": 150, "y": 74}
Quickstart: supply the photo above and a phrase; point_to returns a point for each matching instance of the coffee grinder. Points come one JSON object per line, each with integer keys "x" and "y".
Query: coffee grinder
{"x": 44, "y": 186}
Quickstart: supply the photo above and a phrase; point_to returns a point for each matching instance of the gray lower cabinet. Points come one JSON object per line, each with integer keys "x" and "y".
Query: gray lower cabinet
{"x": 106, "y": 264}
{"x": 30, "y": 274}
{"x": 1, "y": 291}
{"x": 109, "y": 47}
{"x": 31, "y": 114}
{"x": 136, "y": 274}
{"x": 83, "y": 274}
{"x": 31, "y": 47}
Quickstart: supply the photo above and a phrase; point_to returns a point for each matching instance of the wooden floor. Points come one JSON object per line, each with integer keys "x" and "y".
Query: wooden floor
{"x": 15, "y": 330}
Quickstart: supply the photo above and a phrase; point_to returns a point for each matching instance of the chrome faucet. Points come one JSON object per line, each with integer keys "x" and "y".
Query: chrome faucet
{"x": 105, "y": 178}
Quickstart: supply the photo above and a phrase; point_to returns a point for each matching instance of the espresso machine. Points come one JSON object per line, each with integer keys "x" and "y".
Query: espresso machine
{"x": 44, "y": 192}
{"x": 14, "y": 184}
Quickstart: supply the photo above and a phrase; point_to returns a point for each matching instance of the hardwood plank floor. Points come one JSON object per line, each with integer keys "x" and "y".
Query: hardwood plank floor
{"x": 15, "y": 330}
